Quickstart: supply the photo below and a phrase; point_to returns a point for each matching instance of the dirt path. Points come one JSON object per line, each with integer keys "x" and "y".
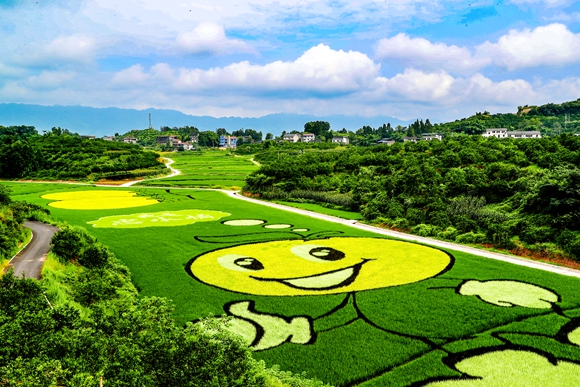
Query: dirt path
{"x": 174, "y": 172}
{"x": 415, "y": 238}
{"x": 28, "y": 262}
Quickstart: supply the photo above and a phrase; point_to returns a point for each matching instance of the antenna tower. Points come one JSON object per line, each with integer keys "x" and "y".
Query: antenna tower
{"x": 150, "y": 121}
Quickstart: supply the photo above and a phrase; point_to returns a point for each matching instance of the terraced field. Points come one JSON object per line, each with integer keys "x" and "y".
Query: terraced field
{"x": 207, "y": 169}
{"x": 342, "y": 304}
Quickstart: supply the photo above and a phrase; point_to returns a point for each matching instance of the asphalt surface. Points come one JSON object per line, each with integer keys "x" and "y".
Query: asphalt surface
{"x": 28, "y": 262}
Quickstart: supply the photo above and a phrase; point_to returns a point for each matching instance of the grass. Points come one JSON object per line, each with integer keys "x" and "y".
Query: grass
{"x": 206, "y": 169}
{"x": 415, "y": 332}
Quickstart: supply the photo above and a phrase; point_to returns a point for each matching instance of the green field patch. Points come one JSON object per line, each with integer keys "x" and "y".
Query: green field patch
{"x": 158, "y": 219}
{"x": 513, "y": 368}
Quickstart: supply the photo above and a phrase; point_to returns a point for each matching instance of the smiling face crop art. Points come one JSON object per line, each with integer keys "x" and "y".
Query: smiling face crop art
{"x": 317, "y": 267}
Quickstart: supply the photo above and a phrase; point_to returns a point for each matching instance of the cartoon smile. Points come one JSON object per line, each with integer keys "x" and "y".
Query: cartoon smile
{"x": 325, "y": 281}
{"x": 317, "y": 266}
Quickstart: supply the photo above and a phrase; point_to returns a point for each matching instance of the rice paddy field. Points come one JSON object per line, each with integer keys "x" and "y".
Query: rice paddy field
{"x": 344, "y": 305}
{"x": 207, "y": 169}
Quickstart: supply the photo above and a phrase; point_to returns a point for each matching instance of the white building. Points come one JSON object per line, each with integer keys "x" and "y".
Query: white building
{"x": 130, "y": 140}
{"x": 525, "y": 134}
{"x": 432, "y": 136}
{"x": 340, "y": 140}
{"x": 228, "y": 141}
{"x": 495, "y": 132}
{"x": 308, "y": 137}
{"x": 293, "y": 137}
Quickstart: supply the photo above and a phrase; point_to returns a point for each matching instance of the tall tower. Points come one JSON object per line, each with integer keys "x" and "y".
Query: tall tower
{"x": 150, "y": 127}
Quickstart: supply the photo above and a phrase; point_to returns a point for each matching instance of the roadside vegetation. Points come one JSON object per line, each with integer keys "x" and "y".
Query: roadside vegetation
{"x": 503, "y": 192}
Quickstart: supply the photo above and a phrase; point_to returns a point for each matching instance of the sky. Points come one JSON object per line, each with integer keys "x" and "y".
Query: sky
{"x": 409, "y": 59}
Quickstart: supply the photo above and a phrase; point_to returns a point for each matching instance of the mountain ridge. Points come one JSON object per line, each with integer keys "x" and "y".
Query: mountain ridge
{"x": 108, "y": 121}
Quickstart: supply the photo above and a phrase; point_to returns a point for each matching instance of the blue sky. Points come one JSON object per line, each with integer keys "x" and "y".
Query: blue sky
{"x": 407, "y": 59}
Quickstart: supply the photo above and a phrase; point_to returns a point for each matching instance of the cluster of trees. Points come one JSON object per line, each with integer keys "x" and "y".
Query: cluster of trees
{"x": 84, "y": 322}
{"x": 60, "y": 154}
{"x": 466, "y": 188}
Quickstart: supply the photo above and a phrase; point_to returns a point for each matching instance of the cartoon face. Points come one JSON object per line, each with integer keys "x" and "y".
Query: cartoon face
{"x": 317, "y": 267}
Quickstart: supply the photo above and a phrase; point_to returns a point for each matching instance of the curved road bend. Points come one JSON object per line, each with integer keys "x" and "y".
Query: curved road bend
{"x": 415, "y": 238}
{"x": 28, "y": 262}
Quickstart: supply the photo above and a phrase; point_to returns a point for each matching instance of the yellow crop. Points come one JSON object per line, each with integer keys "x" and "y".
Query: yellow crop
{"x": 98, "y": 200}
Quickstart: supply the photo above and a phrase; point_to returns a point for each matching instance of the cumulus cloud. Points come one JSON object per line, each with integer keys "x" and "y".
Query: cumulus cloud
{"x": 420, "y": 52}
{"x": 551, "y": 45}
{"x": 77, "y": 47}
{"x": 320, "y": 69}
{"x": 50, "y": 79}
{"x": 133, "y": 75}
{"x": 210, "y": 38}
{"x": 416, "y": 85}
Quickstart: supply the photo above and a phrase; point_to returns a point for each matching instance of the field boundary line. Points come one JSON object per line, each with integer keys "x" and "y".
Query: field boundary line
{"x": 415, "y": 238}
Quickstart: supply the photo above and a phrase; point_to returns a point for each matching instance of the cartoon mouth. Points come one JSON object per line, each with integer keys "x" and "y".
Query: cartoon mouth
{"x": 325, "y": 281}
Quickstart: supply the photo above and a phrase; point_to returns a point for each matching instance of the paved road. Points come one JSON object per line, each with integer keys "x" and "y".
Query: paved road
{"x": 29, "y": 261}
{"x": 415, "y": 238}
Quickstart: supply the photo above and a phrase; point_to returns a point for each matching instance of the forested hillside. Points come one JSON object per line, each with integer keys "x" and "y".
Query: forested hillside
{"x": 504, "y": 192}
{"x": 61, "y": 155}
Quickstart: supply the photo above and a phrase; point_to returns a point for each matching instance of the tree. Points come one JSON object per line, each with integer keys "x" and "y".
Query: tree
{"x": 4, "y": 195}
{"x": 269, "y": 136}
{"x": 95, "y": 255}
{"x": 317, "y": 127}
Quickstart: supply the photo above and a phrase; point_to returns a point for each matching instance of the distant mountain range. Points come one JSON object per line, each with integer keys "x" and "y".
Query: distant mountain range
{"x": 108, "y": 121}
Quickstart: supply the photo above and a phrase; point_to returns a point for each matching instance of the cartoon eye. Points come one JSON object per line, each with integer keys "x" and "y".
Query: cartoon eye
{"x": 316, "y": 253}
{"x": 240, "y": 262}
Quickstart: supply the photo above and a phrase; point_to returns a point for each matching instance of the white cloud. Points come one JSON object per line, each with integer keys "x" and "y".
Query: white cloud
{"x": 416, "y": 85}
{"x": 551, "y": 45}
{"x": 50, "y": 79}
{"x": 320, "y": 69}
{"x": 133, "y": 75}
{"x": 75, "y": 47}
{"x": 420, "y": 52}
{"x": 547, "y": 3}
{"x": 210, "y": 38}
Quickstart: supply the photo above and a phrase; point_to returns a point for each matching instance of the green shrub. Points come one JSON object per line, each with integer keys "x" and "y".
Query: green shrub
{"x": 425, "y": 230}
{"x": 470, "y": 237}
{"x": 450, "y": 233}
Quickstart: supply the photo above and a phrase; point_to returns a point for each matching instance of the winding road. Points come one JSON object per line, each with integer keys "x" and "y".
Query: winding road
{"x": 28, "y": 262}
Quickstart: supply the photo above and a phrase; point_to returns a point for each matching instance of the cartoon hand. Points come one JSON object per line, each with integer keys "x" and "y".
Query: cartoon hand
{"x": 514, "y": 368}
{"x": 510, "y": 293}
{"x": 263, "y": 331}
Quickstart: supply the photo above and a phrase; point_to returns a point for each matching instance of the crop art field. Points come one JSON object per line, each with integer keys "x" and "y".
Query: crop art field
{"x": 344, "y": 305}
{"x": 208, "y": 169}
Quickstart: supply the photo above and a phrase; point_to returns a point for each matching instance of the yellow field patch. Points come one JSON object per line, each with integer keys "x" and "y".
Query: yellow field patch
{"x": 98, "y": 200}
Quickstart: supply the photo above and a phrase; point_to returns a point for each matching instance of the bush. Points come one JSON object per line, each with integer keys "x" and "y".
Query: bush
{"x": 425, "y": 230}
{"x": 470, "y": 237}
{"x": 69, "y": 243}
{"x": 450, "y": 233}
{"x": 95, "y": 255}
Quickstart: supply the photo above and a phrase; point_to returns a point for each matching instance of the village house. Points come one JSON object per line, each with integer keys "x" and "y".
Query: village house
{"x": 411, "y": 139}
{"x": 495, "y": 132}
{"x": 293, "y": 137}
{"x": 432, "y": 136}
{"x": 228, "y": 142}
{"x": 340, "y": 140}
{"x": 108, "y": 138}
{"x": 386, "y": 141}
{"x": 167, "y": 139}
{"x": 525, "y": 134}
{"x": 130, "y": 140}
{"x": 308, "y": 137}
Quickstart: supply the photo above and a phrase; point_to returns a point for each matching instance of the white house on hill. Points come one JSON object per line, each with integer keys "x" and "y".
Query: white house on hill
{"x": 495, "y": 132}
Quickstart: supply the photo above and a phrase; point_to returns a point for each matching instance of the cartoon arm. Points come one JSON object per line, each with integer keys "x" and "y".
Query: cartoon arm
{"x": 509, "y": 293}
{"x": 264, "y": 331}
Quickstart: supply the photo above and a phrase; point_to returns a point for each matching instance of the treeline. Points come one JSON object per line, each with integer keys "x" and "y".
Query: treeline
{"x": 510, "y": 193}
{"x": 84, "y": 322}
{"x": 61, "y": 155}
